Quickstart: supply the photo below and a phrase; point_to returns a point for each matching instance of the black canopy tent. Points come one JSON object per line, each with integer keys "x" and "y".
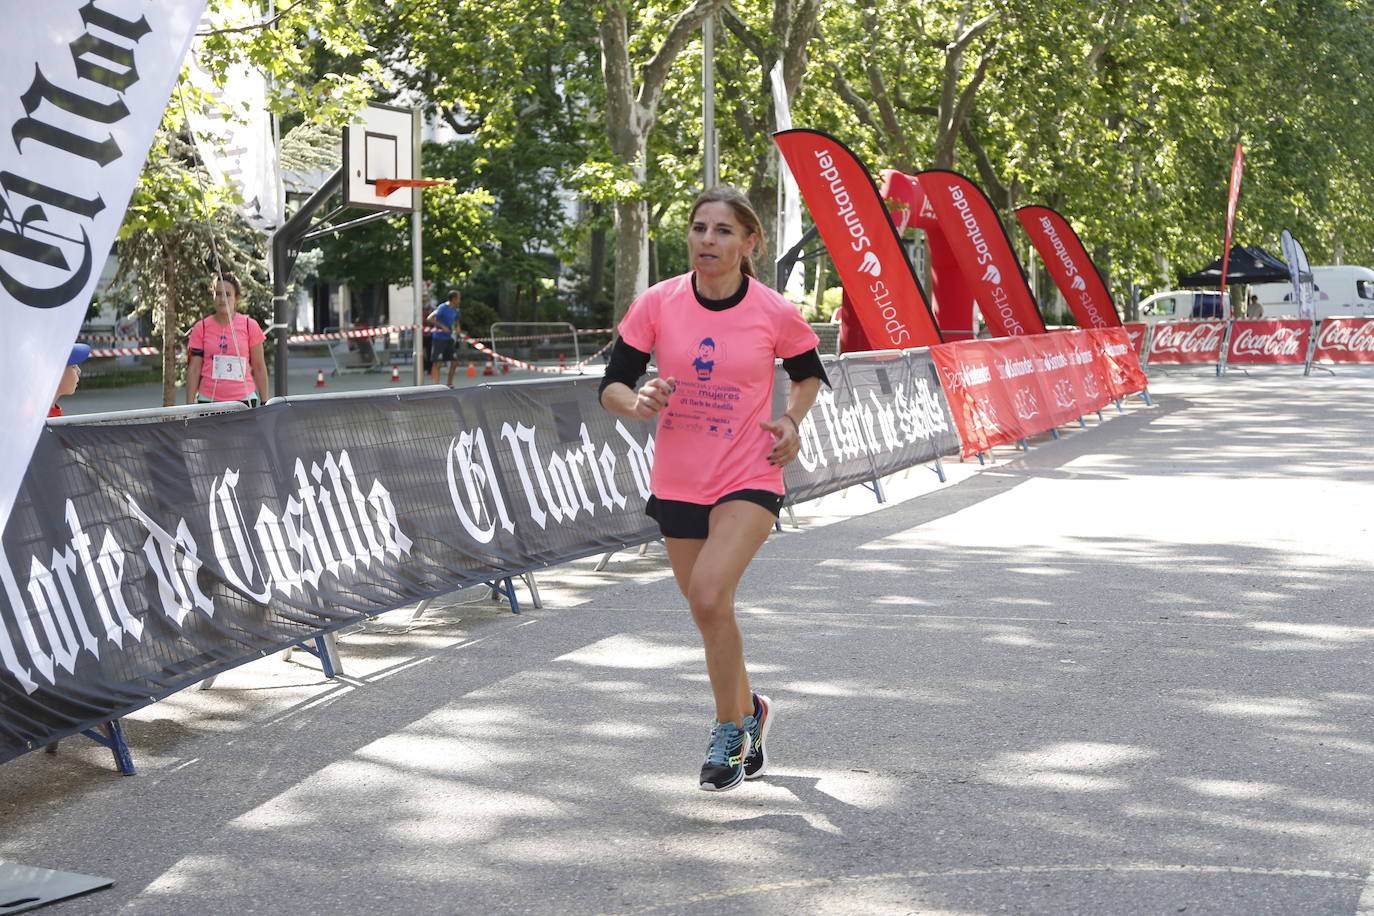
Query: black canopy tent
{"x": 1248, "y": 264}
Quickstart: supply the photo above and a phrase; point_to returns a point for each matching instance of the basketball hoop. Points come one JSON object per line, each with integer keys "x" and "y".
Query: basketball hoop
{"x": 386, "y": 185}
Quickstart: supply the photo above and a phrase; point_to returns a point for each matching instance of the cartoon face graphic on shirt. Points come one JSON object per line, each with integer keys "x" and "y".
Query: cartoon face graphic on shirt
{"x": 705, "y": 359}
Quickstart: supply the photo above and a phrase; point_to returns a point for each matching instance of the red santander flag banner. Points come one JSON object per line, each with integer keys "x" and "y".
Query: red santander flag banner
{"x": 861, "y": 240}
{"x": 983, "y": 252}
{"x": 1071, "y": 267}
{"x": 951, "y": 297}
{"x": 1232, "y": 198}
{"x": 1345, "y": 340}
{"x": 1275, "y": 341}
{"x": 1180, "y": 342}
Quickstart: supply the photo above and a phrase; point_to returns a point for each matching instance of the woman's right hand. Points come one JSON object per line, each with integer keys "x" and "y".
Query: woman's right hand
{"x": 653, "y": 397}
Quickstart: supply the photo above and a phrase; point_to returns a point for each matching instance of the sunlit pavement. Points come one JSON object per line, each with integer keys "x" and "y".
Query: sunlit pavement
{"x": 1129, "y": 671}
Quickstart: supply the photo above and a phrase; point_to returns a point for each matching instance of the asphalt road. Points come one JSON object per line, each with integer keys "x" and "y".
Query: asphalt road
{"x": 1126, "y": 672}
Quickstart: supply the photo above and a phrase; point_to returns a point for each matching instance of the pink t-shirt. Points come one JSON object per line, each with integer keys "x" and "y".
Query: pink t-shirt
{"x": 708, "y": 441}
{"x": 233, "y": 341}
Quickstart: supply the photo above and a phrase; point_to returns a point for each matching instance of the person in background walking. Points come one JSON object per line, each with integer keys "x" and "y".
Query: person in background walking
{"x": 445, "y": 322}
{"x": 719, "y": 452}
{"x": 71, "y": 377}
{"x": 226, "y": 361}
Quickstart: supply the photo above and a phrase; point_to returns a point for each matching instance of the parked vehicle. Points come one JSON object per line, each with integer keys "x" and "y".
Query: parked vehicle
{"x": 1183, "y": 304}
{"x": 1340, "y": 291}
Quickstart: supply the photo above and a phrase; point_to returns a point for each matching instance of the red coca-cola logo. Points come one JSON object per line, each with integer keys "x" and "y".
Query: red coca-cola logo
{"x": 1350, "y": 335}
{"x": 1279, "y": 341}
{"x": 1203, "y": 337}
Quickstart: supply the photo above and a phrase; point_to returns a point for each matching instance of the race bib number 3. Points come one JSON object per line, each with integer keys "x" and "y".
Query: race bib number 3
{"x": 229, "y": 368}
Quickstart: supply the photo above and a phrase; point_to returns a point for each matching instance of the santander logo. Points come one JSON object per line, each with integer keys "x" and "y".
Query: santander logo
{"x": 870, "y": 264}
{"x": 992, "y": 275}
{"x": 1078, "y": 283}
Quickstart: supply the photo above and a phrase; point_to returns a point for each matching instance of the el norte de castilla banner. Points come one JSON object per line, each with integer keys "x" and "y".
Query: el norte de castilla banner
{"x": 146, "y": 558}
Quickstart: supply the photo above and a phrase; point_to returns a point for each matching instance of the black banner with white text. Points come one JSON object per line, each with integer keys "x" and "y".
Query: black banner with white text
{"x": 148, "y": 557}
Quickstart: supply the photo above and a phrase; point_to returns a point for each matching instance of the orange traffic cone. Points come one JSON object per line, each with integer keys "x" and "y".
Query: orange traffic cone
{"x": 505, "y": 368}
{"x": 319, "y": 378}
{"x": 395, "y": 373}
{"x": 489, "y": 369}
{"x": 472, "y": 370}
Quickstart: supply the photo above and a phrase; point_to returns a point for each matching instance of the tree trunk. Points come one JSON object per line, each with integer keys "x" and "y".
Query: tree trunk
{"x": 169, "y": 325}
{"x": 630, "y": 117}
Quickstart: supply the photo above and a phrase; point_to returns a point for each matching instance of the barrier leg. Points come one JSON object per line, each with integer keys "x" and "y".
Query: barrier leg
{"x": 605, "y": 558}
{"x": 1099, "y": 416}
{"x": 876, "y": 488}
{"x": 1054, "y": 434}
{"x": 1082, "y": 423}
{"x": 1117, "y": 402}
{"x": 507, "y": 588}
{"x": 791, "y": 517}
{"x": 114, "y": 740}
{"x": 534, "y": 590}
{"x": 939, "y": 469}
{"x": 981, "y": 462}
{"x": 1145, "y": 396}
{"x": 208, "y": 682}
{"x": 420, "y": 609}
{"x": 1024, "y": 444}
{"x": 326, "y": 649}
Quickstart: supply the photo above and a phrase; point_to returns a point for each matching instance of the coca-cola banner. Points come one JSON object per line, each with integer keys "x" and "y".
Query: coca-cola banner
{"x": 1138, "y": 331}
{"x": 983, "y": 252}
{"x": 1345, "y": 340}
{"x": 1182, "y": 342}
{"x": 149, "y": 557}
{"x": 1071, "y": 267}
{"x": 951, "y": 297}
{"x": 861, "y": 240}
{"x": 1274, "y": 341}
{"x": 1003, "y": 390}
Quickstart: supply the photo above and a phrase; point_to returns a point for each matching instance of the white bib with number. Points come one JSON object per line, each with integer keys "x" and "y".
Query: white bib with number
{"x": 229, "y": 368}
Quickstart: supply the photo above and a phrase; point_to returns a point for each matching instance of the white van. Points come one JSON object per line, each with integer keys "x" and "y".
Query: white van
{"x": 1344, "y": 291}
{"x": 1182, "y": 305}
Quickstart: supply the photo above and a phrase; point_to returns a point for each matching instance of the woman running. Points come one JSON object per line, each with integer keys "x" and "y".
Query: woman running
{"x": 719, "y": 452}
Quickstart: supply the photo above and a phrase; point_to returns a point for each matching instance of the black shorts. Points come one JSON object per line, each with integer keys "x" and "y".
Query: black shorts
{"x": 678, "y": 519}
{"x": 441, "y": 351}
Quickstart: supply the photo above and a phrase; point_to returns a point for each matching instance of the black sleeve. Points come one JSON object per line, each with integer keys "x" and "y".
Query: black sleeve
{"x": 806, "y": 365}
{"x": 626, "y": 365}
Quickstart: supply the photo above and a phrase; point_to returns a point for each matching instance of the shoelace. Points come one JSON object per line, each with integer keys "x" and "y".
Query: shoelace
{"x": 726, "y": 741}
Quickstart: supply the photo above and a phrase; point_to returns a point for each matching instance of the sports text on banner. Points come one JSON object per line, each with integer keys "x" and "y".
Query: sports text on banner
{"x": 859, "y": 235}
{"x": 1071, "y": 267}
{"x": 984, "y": 253}
{"x": 951, "y": 297}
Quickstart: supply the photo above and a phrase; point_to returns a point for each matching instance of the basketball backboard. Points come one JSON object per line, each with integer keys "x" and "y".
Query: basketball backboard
{"x": 379, "y": 145}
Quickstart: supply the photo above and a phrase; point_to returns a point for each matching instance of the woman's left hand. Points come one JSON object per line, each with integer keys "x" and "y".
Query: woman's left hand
{"x": 785, "y": 430}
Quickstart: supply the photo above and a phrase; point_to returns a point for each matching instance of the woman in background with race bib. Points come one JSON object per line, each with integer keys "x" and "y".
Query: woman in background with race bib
{"x": 226, "y": 361}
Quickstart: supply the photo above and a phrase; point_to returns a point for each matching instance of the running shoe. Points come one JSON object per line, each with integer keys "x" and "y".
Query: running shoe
{"x": 756, "y": 761}
{"x": 724, "y": 766}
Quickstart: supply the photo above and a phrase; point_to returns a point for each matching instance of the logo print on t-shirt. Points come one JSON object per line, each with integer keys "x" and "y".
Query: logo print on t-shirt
{"x": 704, "y": 361}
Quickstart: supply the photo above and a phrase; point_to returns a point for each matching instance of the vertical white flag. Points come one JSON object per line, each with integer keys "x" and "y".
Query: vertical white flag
{"x": 789, "y": 215}
{"x": 83, "y": 85}
{"x": 234, "y": 135}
